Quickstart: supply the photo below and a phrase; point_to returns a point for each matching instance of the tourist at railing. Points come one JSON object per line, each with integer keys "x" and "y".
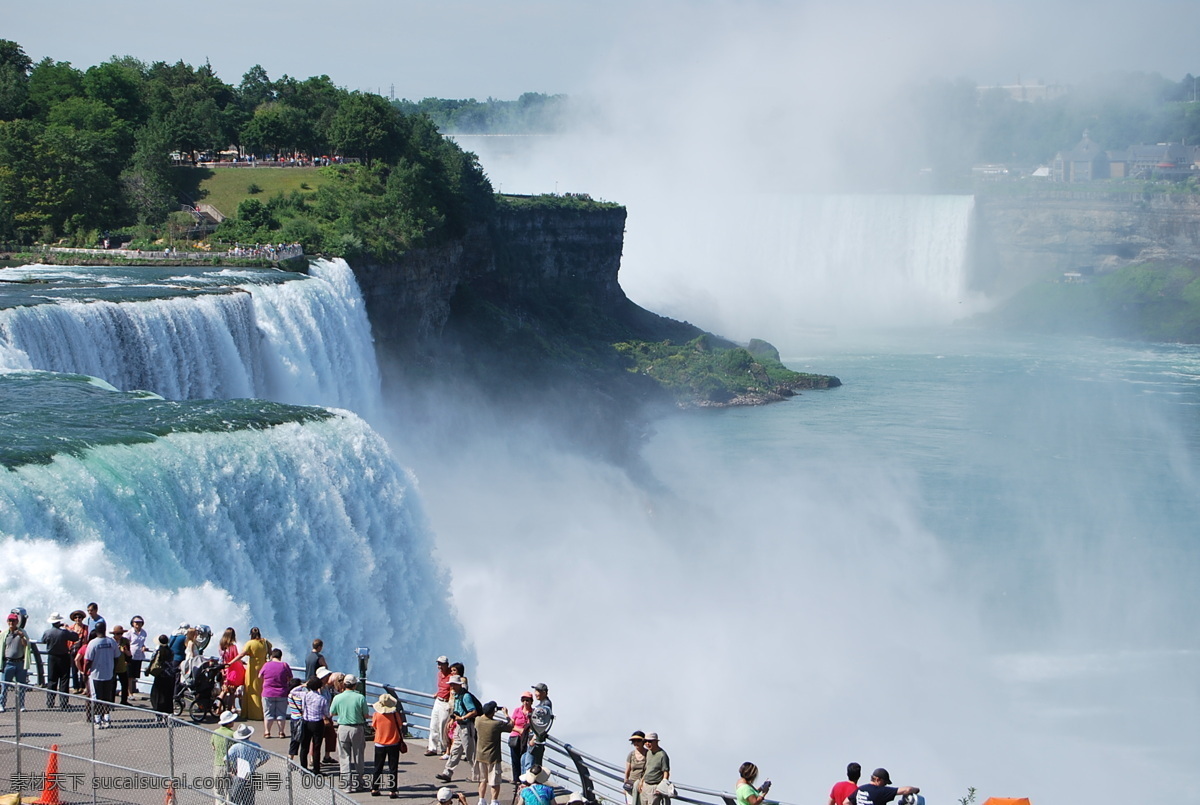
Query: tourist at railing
{"x": 519, "y": 735}
{"x": 15, "y": 650}
{"x": 314, "y": 715}
{"x": 466, "y": 708}
{"x": 745, "y": 791}
{"x": 315, "y": 659}
{"x": 635, "y": 765}
{"x": 541, "y": 717}
{"x": 122, "y": 664}
{"x": 100, "y": 662}
{"x": 162, "y": 671}
{"x": 389, "y": 743}
{"x": 349, "y": 710}
{"x": 276, "y": 674}
{"x": 881, "y": 791}
{"x": 137, "y": 650}
{"x": 295, "y": 715}
{"x": 843, "y": 791}
{"x": 658, "y": 770}
{"x": 81, "y": 631}
{"x": 439, "y": 718}
{"x": 489, "y": 727}
{"x": 58, "y": 643}
{"x": 255, "y": 650}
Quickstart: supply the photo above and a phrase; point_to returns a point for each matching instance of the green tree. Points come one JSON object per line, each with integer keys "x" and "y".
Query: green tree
{"x": 274, "y": 127}
{"x": 365, "y": 126}
{"x": 146, "y": 183}
{"x": 51, "y": 83}
{"x": 14, "y": 79}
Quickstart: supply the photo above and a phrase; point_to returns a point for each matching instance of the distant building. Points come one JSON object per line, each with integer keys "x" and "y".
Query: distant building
{"x": 1086, "y": 162}
{"x": 1028, "y": 93}
{"x": 1159, "y": 161}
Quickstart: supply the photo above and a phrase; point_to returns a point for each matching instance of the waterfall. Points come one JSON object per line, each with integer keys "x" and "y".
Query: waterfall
{"x": 781, "y": 266}
{"x": 211, "y": 506}
{"x": 302, "y": 340}
{"x": 305, "y": 529}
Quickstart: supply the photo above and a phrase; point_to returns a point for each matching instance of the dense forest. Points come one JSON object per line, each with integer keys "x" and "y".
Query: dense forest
{"x": 86, "y": 151}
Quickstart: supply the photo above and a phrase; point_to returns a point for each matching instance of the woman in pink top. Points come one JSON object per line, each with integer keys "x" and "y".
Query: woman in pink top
{"x": 275, "y": 676}
{"x": 520, "y": 725}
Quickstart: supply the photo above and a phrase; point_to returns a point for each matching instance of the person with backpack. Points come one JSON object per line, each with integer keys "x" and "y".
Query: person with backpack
{"x": 541, "y": 717}
{"x": 466, "y": 708}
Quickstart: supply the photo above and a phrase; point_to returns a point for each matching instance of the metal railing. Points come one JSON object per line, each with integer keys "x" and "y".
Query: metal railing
{"x": 55, "y": 747}
{"x": 143, "y": 752}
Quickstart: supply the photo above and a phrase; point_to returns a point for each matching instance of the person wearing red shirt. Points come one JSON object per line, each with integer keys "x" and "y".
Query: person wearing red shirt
{"x": 439, "y": 718}
{"x": 846, "y": 789}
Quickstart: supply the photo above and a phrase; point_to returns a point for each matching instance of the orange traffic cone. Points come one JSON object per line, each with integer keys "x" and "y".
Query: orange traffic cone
{"x": 50, "y": 784}
{"x": 170, "y": 800}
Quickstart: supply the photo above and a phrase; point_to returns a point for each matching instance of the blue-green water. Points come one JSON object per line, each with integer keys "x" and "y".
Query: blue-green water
{"x": 972, "y": 564}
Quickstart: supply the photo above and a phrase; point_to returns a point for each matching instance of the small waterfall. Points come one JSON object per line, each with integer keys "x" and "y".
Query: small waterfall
{"x": 304, "y": 341}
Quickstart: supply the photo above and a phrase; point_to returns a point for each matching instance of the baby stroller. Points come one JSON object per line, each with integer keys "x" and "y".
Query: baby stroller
{"x": 197, "y": 694}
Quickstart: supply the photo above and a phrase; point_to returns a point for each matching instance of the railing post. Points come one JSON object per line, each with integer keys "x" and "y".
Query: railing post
{"x": 18, "y": 728}
{"x": 171, "y": 746}
{"x": 290, "y": 781}
{"x": 585, "y": 774}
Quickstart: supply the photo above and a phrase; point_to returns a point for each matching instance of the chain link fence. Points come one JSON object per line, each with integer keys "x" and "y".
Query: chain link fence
{"x": 60, "y": 755}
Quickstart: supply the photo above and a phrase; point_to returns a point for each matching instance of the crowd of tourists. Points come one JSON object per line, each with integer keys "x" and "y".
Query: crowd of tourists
{"x": 270, "y": 251}
{"x": 324, "y": 710}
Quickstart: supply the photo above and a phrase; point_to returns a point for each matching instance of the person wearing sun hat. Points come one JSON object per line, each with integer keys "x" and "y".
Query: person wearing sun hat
{"x": 534, "y": 790}
{"x": 244, "y": 757}
{"x": 58, "y": 642}
{"x": 389, "y": 742}
{"x": 635, "y": 765}
{"x": 221, "y": 738}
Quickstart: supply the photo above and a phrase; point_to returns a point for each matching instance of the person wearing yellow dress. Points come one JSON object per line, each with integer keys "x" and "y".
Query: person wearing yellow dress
{"x": 256, "y": 650}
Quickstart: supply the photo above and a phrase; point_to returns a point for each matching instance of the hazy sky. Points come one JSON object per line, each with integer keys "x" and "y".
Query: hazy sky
{"x": 481, "y": 48}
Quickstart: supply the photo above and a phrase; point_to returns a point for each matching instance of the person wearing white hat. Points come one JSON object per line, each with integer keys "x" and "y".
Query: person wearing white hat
{"x": 445, "y": 795}
{"x": 658, "y": 769}
{"x": 534, "y": 790}
{"x": 244, "y": 758}
{"x": 221, "y": 738}
{"x": 439, "y": 719}
{"x": 466, "y": 708}
{"x": 349, "y": 710}
{"x": 58, "y": 642}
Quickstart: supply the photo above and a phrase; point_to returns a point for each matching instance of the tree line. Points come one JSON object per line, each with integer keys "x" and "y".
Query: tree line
{"x": 84, "y": 151}
{"x": 532, "y": 113}
{"x": 960, "y": 124}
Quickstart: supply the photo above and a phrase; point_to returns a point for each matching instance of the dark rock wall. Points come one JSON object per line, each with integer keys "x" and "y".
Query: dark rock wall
{"x": 521, "y": 251}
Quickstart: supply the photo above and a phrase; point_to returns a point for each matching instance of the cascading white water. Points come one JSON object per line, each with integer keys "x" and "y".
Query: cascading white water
{"x": 302, "y": 529}
{"x": 786, "y": 264}
{"x": 304, "y": 341}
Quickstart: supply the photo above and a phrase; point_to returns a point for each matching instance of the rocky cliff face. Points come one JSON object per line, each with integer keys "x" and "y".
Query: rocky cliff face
{"x": 1018, "y": 239}
{"x": 521, "y": 251}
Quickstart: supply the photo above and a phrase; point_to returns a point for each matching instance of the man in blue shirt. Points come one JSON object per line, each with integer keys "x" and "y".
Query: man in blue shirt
{"x": 244, "y": 758}
{"x": 880, "y": 790}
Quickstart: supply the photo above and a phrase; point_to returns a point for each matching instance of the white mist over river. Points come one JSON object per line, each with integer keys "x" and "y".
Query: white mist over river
{"x": 972, "y": 564}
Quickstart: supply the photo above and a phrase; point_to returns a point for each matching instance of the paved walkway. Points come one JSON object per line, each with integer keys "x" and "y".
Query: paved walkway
{"x": 103, "y": 765}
